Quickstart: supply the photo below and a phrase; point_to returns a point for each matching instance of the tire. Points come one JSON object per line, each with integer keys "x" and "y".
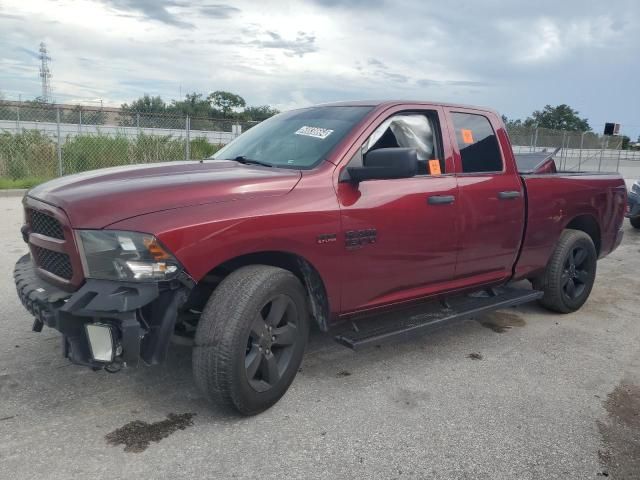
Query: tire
{"x": 635, "y": 222}
{"x": 236, "y": 362}
{"x": 570, "y": 273}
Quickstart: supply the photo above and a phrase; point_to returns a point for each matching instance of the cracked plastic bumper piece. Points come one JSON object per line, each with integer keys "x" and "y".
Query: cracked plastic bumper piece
{"x": 141, "y": 315}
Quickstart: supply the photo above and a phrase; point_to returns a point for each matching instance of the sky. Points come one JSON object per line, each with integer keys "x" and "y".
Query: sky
{"x": 514, "y": 56}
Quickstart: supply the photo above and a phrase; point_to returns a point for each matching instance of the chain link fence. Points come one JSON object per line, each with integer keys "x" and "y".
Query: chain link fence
{"x": 42, "y": 141}
{"x": 45, "y": 141}
{"x": 579, "y": 151}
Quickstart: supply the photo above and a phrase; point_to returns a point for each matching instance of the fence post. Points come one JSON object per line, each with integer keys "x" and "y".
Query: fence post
{"x": 59, "y": 144}
{"x": 580, "y": 152}
{"x": 18, "y": 117}
{"x": 535, "y": 139}
{"x": 619, "y": 154}
{"x": 187, "y": 145}
{"x": 602, "y": 147}
{"x": 563, "y": 155}
{"x": 138, "y": 122}
{"x": 531, "y": 143}
{"x": 80, "y": 120}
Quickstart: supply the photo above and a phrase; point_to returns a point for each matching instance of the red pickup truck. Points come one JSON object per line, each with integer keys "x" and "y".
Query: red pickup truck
{"x": 372, "y": 220}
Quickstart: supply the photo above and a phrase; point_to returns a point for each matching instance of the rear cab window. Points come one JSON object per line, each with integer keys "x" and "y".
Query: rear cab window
{"x": 477, "y": 143}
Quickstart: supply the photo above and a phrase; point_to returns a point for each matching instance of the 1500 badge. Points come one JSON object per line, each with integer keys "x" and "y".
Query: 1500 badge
{"x": 359, "y": 238}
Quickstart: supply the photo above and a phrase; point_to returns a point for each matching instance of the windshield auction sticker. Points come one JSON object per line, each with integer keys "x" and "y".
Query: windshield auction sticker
{"x": 315, "y": 132}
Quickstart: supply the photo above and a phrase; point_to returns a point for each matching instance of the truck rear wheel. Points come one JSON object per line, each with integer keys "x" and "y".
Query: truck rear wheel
{"x": 635, "y": 222}
{"x": 251, "y": 338}
{"x": 570, "y": 273}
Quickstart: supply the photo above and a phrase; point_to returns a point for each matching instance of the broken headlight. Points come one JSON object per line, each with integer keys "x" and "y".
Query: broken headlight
{"x": 126, "y": 256}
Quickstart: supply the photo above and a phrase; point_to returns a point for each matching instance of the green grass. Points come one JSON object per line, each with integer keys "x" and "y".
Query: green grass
{"x": 31, "y": 156}
{"x": 8, "y": 183}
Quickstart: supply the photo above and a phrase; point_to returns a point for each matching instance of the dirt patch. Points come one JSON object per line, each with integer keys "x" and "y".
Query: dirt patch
{"x": 475, "y": 356}
{"x": 500, "y": 322}
{"x": 621, "y": 433}
{"x": 410, "y": 399}
{"x": 137, "y": 435}
{"x": 343, "y": 373}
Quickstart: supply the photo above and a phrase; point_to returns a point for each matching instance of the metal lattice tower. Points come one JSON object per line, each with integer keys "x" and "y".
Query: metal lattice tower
{"x": 45, "y": 73}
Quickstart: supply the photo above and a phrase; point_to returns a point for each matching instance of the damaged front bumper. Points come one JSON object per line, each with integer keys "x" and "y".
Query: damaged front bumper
{"x": 140, "y": 316}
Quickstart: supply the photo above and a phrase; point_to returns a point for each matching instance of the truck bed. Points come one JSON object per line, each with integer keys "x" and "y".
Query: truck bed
{"x": 589, "y": 201}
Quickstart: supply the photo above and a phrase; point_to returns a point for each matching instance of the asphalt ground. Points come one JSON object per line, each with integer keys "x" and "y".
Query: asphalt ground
{"x": 520, "y": 394}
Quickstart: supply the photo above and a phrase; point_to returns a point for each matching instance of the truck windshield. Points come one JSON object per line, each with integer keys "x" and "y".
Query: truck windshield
{"x": 294, "y": 139}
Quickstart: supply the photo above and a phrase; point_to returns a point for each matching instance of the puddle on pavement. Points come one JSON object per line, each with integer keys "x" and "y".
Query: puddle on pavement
{"x": 137, "y": 435}
{"x": 500, "y": 322}
{"x": 620, "y": 432}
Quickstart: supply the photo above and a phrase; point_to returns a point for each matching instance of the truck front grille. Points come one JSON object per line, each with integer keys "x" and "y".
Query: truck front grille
{"x": 53, "y": 262}
{"x": 45, "y": 225}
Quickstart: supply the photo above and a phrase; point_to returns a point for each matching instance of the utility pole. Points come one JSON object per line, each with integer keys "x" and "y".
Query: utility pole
{"x": 45, "y": 74}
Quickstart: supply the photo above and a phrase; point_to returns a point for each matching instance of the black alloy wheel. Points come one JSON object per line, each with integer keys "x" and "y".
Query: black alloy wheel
{"x": 270, "y": 343}
{"x": 251, "y": 338}
{"x": 577, "y": 273}
{"x": 570, "y": 272}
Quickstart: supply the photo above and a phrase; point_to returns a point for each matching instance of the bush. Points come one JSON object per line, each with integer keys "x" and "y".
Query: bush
{"x": 31, "y": 154}
{"x": 201, "y": 148}
{"x": 6, "y": 183}
{"x": 88, "y": 152}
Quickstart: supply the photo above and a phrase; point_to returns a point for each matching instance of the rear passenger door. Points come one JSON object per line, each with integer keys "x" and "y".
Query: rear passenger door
{"x": 491, "y": 197}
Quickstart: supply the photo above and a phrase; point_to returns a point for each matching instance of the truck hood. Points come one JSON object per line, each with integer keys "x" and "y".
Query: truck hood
{"x": 99, "y": 198}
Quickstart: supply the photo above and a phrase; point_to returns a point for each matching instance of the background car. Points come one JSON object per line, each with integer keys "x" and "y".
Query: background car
{"x": 634, "y": 205}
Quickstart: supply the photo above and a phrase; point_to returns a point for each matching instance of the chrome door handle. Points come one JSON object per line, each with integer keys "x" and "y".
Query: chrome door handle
{"x": 509, "y": 195}
{"x": 441, "y": 199}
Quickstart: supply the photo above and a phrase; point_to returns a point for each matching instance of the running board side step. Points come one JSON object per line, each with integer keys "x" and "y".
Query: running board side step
{"x": 409, "y": 323}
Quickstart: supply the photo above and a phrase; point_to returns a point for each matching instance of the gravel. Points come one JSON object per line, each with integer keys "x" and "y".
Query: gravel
{"x": 525, "y": 394}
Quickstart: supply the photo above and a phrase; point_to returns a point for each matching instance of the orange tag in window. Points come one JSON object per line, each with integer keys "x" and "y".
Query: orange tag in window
{"x": 467, "y": 136}
{"x": 434, "y": 167}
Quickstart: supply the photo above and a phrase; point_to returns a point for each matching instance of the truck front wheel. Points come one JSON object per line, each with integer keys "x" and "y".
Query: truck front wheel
{"x": 570, "y": 273}
{"x": 251, "y": 338}
{"x": 635, "y": 222}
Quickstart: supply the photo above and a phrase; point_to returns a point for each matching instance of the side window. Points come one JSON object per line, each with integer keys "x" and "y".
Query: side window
{"x": 477, "y": 143}
{"x": 411, "y": 130}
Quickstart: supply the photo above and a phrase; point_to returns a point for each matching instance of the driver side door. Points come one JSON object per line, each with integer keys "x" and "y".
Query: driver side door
{"x": 401, "y": 235}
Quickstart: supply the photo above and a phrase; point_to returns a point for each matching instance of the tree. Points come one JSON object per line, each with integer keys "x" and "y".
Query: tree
{"x": 510, "y": 123}
{"x": 87, "y": 117}
{"x": 561, "y": 117}
{"x": 226, "y": 101}
{"x": 194, "y": 105}
{"x": 145, "y": 104}
{"x": 259, "y": 113}
{"x": 624, "y": 145}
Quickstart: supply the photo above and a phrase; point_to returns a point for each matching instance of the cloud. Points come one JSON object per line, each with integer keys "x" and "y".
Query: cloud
{"x": 428, "y": 82}
{"x": 514, "y": 56}
{"x": 219, "y": 11}
{"x": 157, "y": 10}
{"x": 302, "y": 44}
{"x": 352, "y": 4}
{"x": 31, "y": 53}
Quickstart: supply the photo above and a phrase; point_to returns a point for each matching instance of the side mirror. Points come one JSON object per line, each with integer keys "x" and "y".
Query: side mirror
{"x": 386, "y": 163}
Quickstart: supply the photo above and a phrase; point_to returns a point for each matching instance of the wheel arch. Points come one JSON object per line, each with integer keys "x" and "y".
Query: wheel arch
{"x": 588, "y": 224}
{"x": 296, "y": 264}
